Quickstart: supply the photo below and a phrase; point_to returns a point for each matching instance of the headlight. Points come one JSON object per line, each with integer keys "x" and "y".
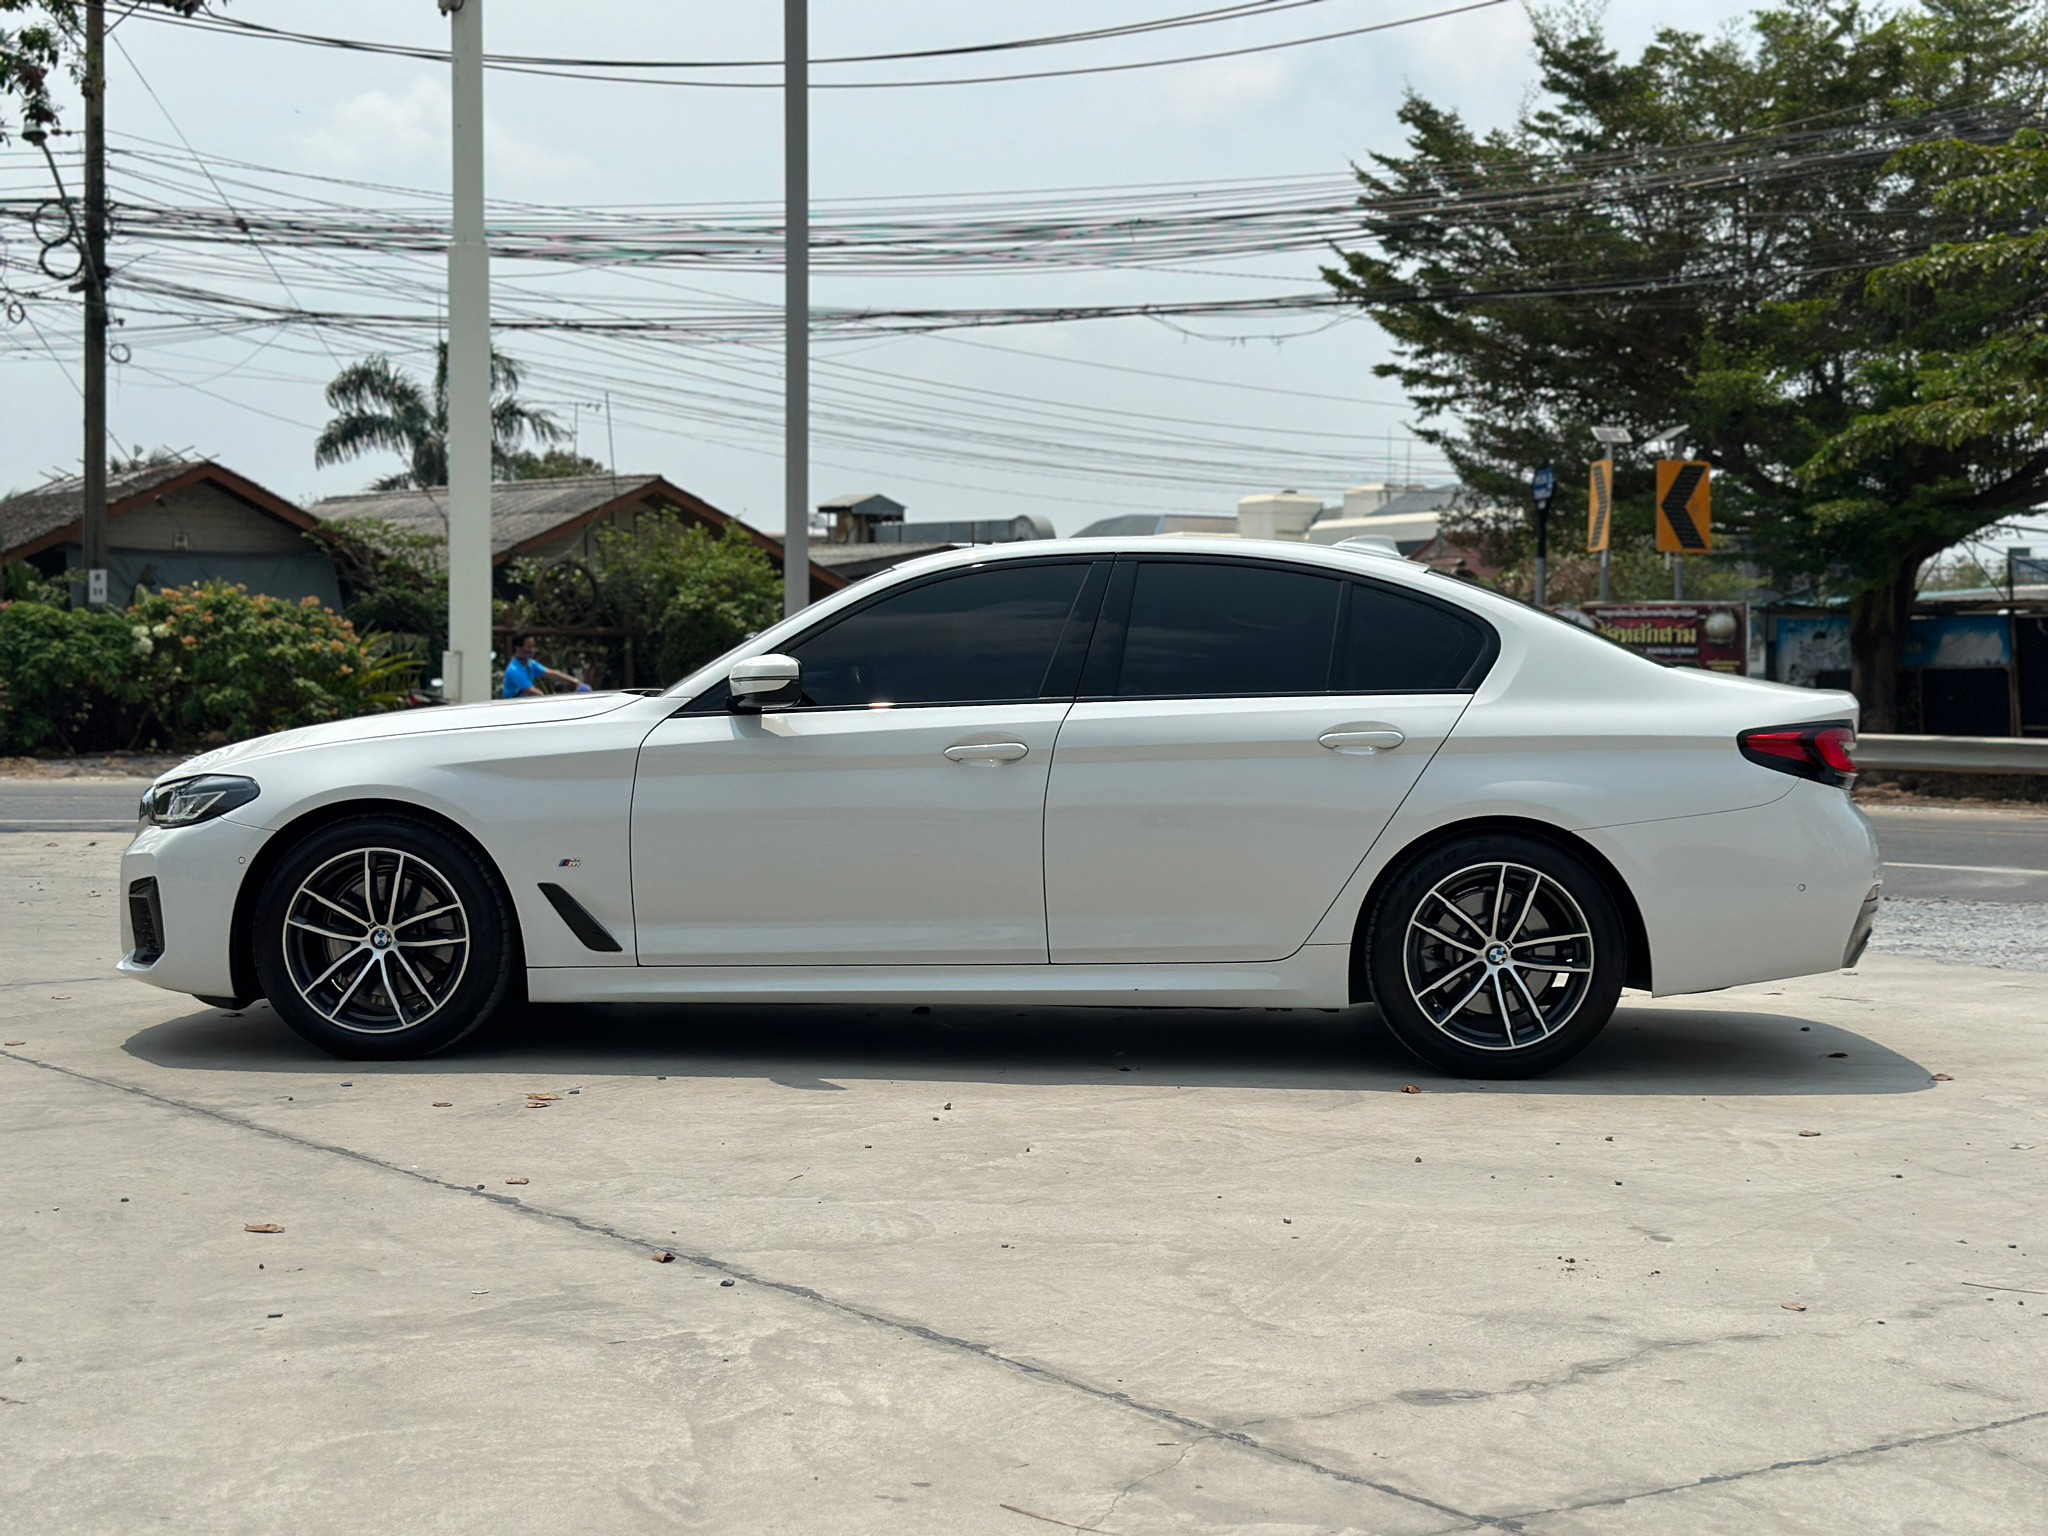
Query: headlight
{"x": 186, "y": 801}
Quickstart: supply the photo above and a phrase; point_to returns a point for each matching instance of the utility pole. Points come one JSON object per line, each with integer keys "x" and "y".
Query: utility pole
{"x": 796, "y": 305}
{"x": 466, "y": 665}
{"x": 94, "y": 274}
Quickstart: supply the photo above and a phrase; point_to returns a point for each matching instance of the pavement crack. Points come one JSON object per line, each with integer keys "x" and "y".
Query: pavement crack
{"x": 725, "y": 1268}
{"x": 1142, "y": 1478}
{"x": 1716, "y": 1479}
{"x": 1579, "y": 1371}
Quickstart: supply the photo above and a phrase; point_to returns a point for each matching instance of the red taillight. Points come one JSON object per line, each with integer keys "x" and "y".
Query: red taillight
{"x": 1820, "y": 752}
{"x": 1836, "y": 745}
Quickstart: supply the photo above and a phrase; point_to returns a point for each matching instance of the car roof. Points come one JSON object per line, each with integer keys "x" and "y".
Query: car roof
{"x": 1325, "y": 556}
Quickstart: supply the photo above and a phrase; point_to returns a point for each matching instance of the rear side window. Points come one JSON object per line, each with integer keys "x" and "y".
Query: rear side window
{"x": 1207, "y": 629}
{"x": 985, "y": 637}
{"x": 1393, "y": 643}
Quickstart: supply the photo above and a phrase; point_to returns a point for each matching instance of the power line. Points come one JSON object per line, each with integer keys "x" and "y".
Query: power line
{"x": 220, "y": 24}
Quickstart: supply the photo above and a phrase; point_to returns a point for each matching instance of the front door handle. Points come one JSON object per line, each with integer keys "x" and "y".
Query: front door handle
{"x": 1362, "y": 740}
{"x": 987, "y": 752}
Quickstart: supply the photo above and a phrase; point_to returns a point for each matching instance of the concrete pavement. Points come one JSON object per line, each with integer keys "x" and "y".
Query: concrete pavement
{"x": 985, "y": 1270}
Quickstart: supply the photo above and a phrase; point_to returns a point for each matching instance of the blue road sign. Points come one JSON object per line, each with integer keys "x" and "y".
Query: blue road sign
{"x": 1544, "y": 486}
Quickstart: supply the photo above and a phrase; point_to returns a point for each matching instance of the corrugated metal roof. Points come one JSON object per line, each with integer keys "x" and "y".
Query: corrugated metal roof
{"x": 36, "y": 514}
{"x": 521, "y": 510}
{"x": 37, "y": 518}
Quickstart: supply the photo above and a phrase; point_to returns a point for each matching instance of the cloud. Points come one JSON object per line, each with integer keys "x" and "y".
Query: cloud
{"x": 1220, "y": 88}
{"x": 380, "y": 136}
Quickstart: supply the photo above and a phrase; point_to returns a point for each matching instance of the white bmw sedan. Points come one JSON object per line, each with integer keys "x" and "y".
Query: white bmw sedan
{"x": 1192, "y": 773}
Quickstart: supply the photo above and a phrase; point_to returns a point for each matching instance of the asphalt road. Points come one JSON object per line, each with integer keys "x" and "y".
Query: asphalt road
{"x": 1996, "y": 856}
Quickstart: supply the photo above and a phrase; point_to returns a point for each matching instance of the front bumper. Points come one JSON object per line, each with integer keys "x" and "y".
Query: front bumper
{"x": 197, "y": 874}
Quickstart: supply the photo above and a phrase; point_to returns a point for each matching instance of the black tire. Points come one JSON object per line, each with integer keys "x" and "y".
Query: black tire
{"x": 428, "y": 918}
{"x": 1471, "y": 962}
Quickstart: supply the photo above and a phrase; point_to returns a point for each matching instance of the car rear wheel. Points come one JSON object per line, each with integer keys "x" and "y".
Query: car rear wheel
{"x": 1496, "y": 956}
{"x": 383, "y": 938}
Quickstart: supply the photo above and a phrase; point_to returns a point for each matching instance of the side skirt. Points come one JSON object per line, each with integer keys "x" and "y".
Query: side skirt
{"x": 1315, "y": 976}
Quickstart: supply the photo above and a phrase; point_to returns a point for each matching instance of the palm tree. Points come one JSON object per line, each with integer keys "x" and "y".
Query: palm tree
{"x": 380, "y": 407}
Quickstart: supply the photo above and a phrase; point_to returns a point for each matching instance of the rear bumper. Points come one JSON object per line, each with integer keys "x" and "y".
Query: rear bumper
{"x": 1751, "y": 895}
{"x": 197, "y": 874}
{"x": 1859, "y": 936}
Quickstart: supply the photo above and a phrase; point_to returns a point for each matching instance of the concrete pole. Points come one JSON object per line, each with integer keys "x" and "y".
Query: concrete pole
{"x": 94, "y": 540}
{"x": 466, "y": 668}
{"x": 796, "y": 305}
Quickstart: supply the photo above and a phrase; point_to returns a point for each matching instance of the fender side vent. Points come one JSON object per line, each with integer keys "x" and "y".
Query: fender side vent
{"x": 589, "y": 931}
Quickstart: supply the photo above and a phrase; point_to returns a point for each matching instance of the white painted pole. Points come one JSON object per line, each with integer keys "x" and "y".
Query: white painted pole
{"x": 467, "y": 666}
{"x": 796, "y": 303}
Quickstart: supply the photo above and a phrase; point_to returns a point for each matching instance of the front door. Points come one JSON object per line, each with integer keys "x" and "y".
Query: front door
{"x": 1251, "y": 730}
{"x": 895, "y": 815}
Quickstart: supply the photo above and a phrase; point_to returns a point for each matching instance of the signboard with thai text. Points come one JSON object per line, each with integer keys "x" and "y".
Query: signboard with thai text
{"x": 1714, "y": 636}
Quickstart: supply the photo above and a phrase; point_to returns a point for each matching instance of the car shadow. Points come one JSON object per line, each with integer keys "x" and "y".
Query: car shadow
{"x": 1646, "y": 1050}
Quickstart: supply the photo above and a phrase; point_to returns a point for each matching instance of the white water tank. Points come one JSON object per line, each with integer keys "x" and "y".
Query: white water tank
{"x": 1285, "y": 515}
{"x": 1364, "y": 500}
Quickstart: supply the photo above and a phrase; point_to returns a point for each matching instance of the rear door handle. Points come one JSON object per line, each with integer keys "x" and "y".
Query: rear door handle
{"x": 1362, "y": 741}
{"x": 988, "y": 752}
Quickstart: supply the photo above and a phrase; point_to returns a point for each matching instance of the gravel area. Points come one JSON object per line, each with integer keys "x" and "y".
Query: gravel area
{"x": 2010, "y": 936}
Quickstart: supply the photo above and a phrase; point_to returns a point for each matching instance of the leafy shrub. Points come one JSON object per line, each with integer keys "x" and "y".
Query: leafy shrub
{"x": 186, "y": 665}
{"x": 679, "y": 593}
{"x": 691, "y": 594}
{"x": 68, "y": 679}
{"x": 393, "y": 581}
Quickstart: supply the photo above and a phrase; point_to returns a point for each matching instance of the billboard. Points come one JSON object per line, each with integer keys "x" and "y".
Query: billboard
{"x": 1714, "y": 636}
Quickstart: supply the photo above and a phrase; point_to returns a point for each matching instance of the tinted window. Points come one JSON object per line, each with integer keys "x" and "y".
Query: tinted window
{"x": 981, "y": 638}
{"x": 1393, "y": 644}
{"x": 1205, "y": 629}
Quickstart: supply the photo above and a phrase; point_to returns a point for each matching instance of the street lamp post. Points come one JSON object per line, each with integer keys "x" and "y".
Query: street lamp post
{"x": 466, "y": 666}
{"x": 796, "y": 305}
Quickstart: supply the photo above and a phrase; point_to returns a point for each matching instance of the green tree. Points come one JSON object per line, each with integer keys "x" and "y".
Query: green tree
{"x": 555, "y": 464}
{"x": 380, "y": 408}
{"x": 1688, "y": 239}
{"x": 47, "y": 38}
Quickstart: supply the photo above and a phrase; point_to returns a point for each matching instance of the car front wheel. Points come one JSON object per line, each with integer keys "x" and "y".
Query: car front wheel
{"x": 1496, "y": 956}
{"x": 381, "y": 937}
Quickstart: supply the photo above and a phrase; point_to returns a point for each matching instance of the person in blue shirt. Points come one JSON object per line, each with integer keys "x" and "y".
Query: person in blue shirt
{"x": 526, "y": 676}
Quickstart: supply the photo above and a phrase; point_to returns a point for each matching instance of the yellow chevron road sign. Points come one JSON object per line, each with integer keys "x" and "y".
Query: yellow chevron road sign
{"x": 1600, "y": 506}
{"x": 1685, "y": 508}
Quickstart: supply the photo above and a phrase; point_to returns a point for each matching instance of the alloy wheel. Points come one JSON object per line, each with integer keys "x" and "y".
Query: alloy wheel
{"x": 1498, "y": 956}
{"x": 376, "y": 940}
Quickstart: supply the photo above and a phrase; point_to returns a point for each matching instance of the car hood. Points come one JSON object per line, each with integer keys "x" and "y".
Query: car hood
{"x": 407, "y": 722}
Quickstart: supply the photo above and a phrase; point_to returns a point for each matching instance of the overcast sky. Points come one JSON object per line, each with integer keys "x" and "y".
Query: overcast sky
{"x": 253, "y": 400}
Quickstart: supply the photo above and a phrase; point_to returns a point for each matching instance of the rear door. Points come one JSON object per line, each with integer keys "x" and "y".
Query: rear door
{"x": 1245, "y": 730}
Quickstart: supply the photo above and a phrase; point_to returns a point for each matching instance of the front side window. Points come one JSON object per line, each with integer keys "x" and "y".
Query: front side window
{"x": 1208, "y": 629}
{"x": 987, "y": 636}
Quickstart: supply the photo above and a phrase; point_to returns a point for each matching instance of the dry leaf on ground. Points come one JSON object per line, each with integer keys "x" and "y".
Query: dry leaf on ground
{"x": 664, "y": 1257}
{"x": 515, "y": 1181}
{"x": 261, "y": 1226}
{"x": 1411, "y": 1088}
{"x": 1793, "y": 1306}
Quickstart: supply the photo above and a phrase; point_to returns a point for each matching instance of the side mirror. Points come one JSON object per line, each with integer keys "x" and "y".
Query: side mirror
{"x": 765, "y": 682}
